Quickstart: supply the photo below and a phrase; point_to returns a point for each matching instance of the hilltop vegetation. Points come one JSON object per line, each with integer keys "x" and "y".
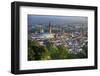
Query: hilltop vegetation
{"x": 52, "y": 52}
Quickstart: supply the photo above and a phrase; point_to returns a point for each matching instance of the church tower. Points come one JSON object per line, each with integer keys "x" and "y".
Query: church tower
{"x": 49, "y": 27}
{"x": 41, "y": 29}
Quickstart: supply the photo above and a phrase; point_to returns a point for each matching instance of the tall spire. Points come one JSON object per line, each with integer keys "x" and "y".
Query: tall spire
{"x": 41, "y": 29}
{"x": 49, "y": 27}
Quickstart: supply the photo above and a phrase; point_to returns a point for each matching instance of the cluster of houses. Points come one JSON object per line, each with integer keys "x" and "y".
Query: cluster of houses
{"x": 74, "y": 41}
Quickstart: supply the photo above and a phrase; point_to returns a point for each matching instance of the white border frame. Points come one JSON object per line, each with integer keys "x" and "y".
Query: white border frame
{"x": 24, "y": 64}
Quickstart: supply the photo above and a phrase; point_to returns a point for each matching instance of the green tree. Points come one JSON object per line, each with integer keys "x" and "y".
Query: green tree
{"x": 30, "y": 54}
{"x": 45, "y": 55}
{"x": 53, "y": 50}
{"x": 63, "y": 52}
{"x": 37, "y": 52}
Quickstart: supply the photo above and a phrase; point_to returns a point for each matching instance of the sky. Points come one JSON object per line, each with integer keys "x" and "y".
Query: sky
{"x": 56, "y": 20}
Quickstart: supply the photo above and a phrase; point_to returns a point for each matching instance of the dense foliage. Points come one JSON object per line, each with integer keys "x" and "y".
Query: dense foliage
{"x": 51, "y": 51}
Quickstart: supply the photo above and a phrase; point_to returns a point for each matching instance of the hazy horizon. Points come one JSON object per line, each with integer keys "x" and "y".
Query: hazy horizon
{"x": 56, "y": 20}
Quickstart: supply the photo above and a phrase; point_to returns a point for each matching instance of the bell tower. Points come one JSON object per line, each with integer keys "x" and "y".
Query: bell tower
{"x": 49, "y": 27}
{"x": 41, "y": 29}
